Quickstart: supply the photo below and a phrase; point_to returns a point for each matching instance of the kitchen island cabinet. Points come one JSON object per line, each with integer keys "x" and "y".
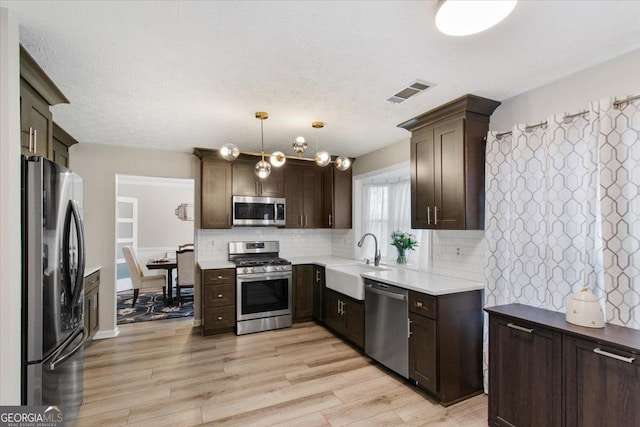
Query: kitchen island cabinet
{"x": 546, "y": 371}
{"x": 445, "y": 344}
{"x": 218, "y": 300}
{"x": 447, "y": 164}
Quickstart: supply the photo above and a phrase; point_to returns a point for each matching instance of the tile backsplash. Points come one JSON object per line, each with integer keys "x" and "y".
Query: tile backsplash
{"x": 213, "y": 244}
{"x": 458, "y": 253}
{"x": 453, "y": 253}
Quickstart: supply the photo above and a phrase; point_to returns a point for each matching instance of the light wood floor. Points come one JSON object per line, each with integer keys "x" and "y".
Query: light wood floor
{"x": 164, "y": 373}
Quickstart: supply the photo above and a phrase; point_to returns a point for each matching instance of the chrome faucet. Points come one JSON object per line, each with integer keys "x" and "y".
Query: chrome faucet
{"x": 377, "y": 252}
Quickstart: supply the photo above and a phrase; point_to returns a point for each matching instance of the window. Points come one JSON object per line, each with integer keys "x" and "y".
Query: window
{"x": 386, "y": 207}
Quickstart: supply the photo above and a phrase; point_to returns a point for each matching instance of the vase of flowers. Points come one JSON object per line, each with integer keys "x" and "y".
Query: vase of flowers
{"x": 403, "y": 242}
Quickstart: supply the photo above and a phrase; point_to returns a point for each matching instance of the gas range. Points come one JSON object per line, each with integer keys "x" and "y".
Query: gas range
{"x": 257, "y": 257}
{"x": 253, "y": 265}
{"x": 263, "y": 286}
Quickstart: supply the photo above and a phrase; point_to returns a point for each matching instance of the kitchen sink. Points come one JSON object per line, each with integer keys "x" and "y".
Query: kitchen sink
{"x": 346, "y": 279}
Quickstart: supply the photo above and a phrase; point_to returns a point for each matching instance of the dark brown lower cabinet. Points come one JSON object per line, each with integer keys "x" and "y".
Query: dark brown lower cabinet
{"x": 445, "y": 344}
{"x": 218, "y": 301}
{"x": 345, "y": 316}
{"x": 318, "y": 293}
{"x": 525, "y": 374}
{"x": 545, "y": 371}
{"x": 91, "y": 304}
{"x": 602, "y": 384}
{"x": 303, "y": 282}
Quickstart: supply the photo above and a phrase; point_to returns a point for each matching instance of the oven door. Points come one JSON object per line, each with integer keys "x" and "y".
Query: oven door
{"x": 263, "y": 295}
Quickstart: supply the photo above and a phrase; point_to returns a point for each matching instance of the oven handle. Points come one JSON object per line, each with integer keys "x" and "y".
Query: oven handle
{"x": 264, "y": 276}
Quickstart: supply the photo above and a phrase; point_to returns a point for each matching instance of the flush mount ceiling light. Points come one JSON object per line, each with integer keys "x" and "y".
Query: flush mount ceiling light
{"x": 465, "y": 17}
{"x": 262, "y": 169}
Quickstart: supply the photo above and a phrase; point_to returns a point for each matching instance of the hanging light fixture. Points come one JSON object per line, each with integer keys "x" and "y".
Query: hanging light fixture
{"x": 343, "y": 163}
{"x": 299, "y": 145}
{"x": 229, "y": 152}
{"x": 262, "y": 169}
{"x": 465, "y": 17}
{"x": 322, "y": 158}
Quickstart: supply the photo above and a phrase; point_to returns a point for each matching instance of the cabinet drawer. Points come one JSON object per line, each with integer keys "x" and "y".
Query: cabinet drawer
{"x": 424, "y": 305}
{"x": 218, "y": 276}
{"x": 91, "y": 281}
{"x": 219, "y": 295}
{"x": 219, "y": 317}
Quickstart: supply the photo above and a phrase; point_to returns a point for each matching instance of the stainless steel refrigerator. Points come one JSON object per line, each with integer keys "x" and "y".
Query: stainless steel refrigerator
{"x": 53, "y": 259}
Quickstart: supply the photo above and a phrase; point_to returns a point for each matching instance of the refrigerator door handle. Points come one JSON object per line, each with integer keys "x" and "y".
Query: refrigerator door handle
{"x": 58, "y": 360}
{"x": 73, "y": 212}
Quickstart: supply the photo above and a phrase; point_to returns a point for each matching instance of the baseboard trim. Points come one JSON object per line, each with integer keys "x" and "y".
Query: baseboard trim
{"x": 101, "y": 335}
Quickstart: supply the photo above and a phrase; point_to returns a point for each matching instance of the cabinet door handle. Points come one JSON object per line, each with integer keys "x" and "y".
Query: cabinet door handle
{"x": 409, "y": 322}
{"x": 613, "y": 356}
{"x": 306, "y": 220}
{"x": 330, "y": 220}
{"x": 435, "y": 215}
{"x": 429, "y": 215}
{"x": 301, "y": 223}
{"x": 219, "y": 277}
{"x": 219, "y": 295}
{"x": 261, "y": 188}
{"x": 31, "y": 140}
{"x": 35, "y": 141}
{"x": 219, "y": 317}
{"x": 519, "y": 328}
{"x": 317, "y": 275}
{"x": 339, "y": 307}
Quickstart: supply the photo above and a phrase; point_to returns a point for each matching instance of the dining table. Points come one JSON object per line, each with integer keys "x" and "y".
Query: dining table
{"x": 165, "y": 264}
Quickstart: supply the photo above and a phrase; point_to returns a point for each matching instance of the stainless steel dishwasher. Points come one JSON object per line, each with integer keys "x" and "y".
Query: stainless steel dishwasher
{"x": 386, "y": 325}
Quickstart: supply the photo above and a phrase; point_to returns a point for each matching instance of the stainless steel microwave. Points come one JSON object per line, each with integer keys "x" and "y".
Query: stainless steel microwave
{"x": 258, "y": 211}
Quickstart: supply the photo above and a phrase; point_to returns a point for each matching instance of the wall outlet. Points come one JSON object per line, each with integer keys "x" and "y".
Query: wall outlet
{"x": 212, "y": 242}
{"x": 459, "y": 251}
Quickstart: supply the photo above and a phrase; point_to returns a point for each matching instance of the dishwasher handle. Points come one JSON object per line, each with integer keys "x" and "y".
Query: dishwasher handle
{"x": 401, "y": 297}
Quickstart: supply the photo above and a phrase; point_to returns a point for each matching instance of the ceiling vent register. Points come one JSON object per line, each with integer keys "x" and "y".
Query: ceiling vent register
{"x": 409, "y": 91}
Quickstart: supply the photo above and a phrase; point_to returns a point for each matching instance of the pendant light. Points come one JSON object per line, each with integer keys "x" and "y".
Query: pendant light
{"x": 322, "y": 158}
{"x": 229, "y": 152}
{"x": 262, "y": 169}
{"x": 343, "y": 163}
{"x": 299, "y": 145}
{"x": 465, "y": 17}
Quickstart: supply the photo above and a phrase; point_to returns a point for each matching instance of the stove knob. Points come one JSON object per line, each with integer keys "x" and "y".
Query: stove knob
{"x": 245, "y": 270}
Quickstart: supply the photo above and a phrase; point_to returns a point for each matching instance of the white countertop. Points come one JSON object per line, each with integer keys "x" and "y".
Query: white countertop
{"x": 420, "y": 281}
{"x": 432, "y": 284}
{"x": 209, "y": 264}
{"x": 90, "y": 270}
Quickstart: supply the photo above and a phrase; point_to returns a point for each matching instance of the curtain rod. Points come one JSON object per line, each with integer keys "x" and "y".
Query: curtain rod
{"x": 617, "y": 105}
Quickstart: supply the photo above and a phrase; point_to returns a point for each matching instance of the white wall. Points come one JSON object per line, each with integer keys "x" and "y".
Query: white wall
{"x": 10, "y": 255}
{"x": 98, "y": 165}
{"x": 618, "y": 77}
{"x": 157, "y": 201}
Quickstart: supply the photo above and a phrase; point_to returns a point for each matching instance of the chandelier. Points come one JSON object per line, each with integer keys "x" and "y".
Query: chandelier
{"x": 262, "y": 169}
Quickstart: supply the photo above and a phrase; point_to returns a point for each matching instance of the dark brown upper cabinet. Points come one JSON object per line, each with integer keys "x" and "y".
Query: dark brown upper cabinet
{"x": 215, "y": 189}
{"x": 37, "y": 94}
{"x": 447, "y": 164}
{"x": 337, "y": 199}
{"x": 303, "y": 194}
{"x": 61, "y": 143}
{"x": 246, "y": 183}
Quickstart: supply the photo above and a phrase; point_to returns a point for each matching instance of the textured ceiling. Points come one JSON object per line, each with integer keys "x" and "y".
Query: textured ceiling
{"x": 182, "y": 74}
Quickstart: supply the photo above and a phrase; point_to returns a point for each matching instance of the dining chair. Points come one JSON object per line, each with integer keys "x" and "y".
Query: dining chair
{"x": 139, "y": 280}
{"x": 185, "y": 246}
{"x": 186, "y": 266}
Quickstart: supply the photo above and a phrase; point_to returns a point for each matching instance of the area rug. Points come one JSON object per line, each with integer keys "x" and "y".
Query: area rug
{"x": 150, "y": 306}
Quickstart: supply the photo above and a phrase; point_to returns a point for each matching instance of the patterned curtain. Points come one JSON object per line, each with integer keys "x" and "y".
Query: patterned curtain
{"x": 563, "y": 212}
